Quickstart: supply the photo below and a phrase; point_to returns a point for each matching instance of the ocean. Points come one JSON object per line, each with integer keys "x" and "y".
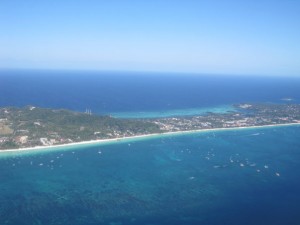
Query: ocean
{"x": 248, "y": 176}
{"x": 141, "y": 94}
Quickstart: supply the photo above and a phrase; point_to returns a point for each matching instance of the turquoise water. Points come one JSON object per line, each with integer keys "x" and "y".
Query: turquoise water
{"x": 206, "y": 178}
{"x": 175, "y": 112}
{"x": 202, "y": 178}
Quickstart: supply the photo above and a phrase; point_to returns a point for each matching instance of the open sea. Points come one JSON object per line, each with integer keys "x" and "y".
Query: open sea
{"x": 245, "y": 176}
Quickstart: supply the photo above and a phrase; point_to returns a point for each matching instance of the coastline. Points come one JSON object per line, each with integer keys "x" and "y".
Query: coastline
{"x": 138, "y": 137}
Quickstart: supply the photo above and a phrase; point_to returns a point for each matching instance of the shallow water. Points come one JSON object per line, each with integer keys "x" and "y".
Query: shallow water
{"x": 202, "y": 178}
{"x": 173, "y": 113}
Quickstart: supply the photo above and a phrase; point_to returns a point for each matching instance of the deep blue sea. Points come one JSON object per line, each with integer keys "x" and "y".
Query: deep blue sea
{"x": 248, "y": 176}
{"x": 141, "y": 94}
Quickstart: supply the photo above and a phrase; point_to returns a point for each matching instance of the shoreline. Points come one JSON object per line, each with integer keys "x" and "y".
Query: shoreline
{"x": 120, "y": 139}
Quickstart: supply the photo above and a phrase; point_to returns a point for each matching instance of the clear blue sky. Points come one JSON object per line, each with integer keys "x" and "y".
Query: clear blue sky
{"x": 239, "y": 37}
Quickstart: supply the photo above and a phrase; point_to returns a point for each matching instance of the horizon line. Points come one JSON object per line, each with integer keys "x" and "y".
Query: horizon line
{"x": 150, "y": 72}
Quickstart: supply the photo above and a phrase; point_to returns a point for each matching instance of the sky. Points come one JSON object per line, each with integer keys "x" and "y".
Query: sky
{"x": 215, "y": 36}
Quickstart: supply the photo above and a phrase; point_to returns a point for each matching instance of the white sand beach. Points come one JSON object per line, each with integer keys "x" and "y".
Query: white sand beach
{"x": 134, "y": 138}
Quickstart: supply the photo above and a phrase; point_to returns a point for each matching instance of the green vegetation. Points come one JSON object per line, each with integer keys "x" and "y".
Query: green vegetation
{"x": 32, "y": 126}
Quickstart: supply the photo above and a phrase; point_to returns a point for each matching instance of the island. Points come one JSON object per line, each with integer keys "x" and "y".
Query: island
{"x": 31, "y": 127}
